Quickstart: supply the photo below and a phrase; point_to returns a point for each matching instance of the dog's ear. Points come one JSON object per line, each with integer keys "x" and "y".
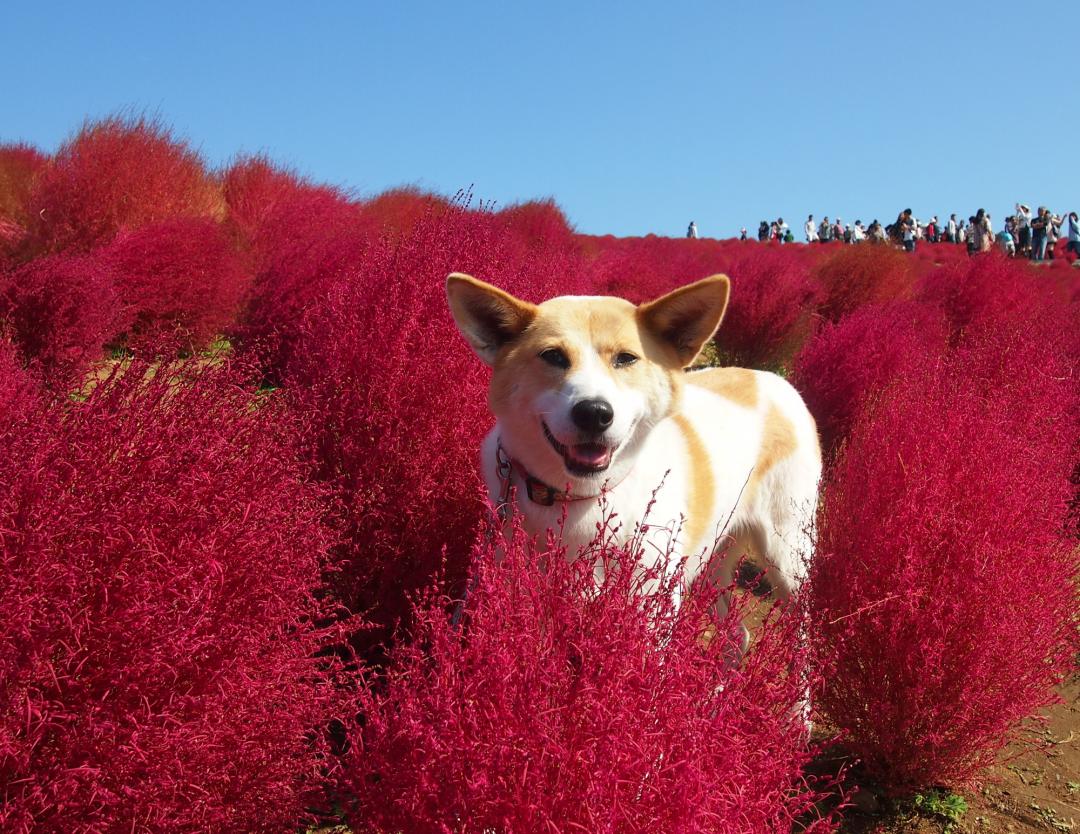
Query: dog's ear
{"x": 686, "y": 318}
{"x": 487, "y": 317}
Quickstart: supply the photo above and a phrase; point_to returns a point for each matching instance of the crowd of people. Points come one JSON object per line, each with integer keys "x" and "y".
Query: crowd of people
{"x": 1023, "y": 234}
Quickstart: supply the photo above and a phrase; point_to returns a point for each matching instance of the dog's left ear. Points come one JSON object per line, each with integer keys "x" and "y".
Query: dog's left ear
{"x": 487, "y": 317}
{"x": 686, "y": 318}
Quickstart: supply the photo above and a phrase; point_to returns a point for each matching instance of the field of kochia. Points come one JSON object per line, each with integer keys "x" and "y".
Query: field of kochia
{"x": 240, "y": 493}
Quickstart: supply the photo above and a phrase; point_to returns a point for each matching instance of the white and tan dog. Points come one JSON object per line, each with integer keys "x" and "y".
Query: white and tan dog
{"x": 591, "y": 394}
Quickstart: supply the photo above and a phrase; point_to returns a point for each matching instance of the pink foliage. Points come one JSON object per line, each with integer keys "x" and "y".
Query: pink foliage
{"x": 158, "y": 554}
{"x": 115, "y": 174}
{"x": 943, "y": 594}
{"x": 643, "y": 268}
{"x": 856, "y": 275}
{"x": 19, "y": 399}
{"x": 400, "y": 403}
{"x": 772, "y": 296}
{"x": 399, "y": 210}
{"x": 845, "y": 362}
{"x": 60, "y": 311}
{"x": 299, "y": 238}
{"x": 566, "y": 705}
{"x": 181, "y": 282}
{"x": 20, "y": 166}
{"x": 993, "y": 290}
{"x": 539, "y": 223}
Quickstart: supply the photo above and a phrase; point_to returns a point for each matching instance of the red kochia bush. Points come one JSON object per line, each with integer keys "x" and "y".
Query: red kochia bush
{"x": 117, "y": 173}
{"x": 158, "y": 553}
{"x": 400, "y": 210}
{"x": 845, "y": 362}
{"x": 539, "y": 222}
{"x": 18, "y": 392}
{"x": 771, "y": 293}
{"x": 399, "y": 402}
{"x": 181, "y": 281}
{"x": 992, "y": 290}
{"x": 856, "y": 275}
{"x": 772, "y": 297}
{"x": 566, "y": 705}
{"x": 299, "y": 238}
{"x": 639, "y": 269}
{"x": 942, "y": 594}
{"x": 61, "y": 310}
{"x": 19, "y": 166}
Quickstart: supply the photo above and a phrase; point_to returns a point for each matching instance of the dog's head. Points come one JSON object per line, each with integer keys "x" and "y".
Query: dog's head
{"x": 579, "y": 381}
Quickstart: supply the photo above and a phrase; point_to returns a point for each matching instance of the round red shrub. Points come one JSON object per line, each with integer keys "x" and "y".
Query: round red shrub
{"x": 400, "y": 210}
{"x": 563, "y": 704}
{"x": 845, "y": 362}
{"x": 771, "y": 293}
{"x": 60, "y": 311}
{"x": 992, "y": 290}
{"x": 539, "y": 223}
{"x": 942, "y": 594}
{"x": 642, "y": 268}
{"x": 18, "y": 389}
{"x": 181, "y": 281}
{"x": 19, "y": 166}
{"x": 159, "y": 549}
{"x": 299, "y": 238}
{"x": 399, "y": 402}
{"x": 856, "y": 275}
{"x": 115, "y": 174}
{"x": 772, "y": 297}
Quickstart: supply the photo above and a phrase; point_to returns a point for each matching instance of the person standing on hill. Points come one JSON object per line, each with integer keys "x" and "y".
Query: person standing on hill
{"x": 1038, "y": 234}
{"x": 1006, "y": 240}
{"x": 811, "y": 230}
{"x": 951, "y": 229}
{"x": 1023, "y": 230}
{"x": 982, "y": 234}
{"x": 691, "y": 230}
{"x": 1053, "y": 232}
{"x": 907, "y": 232}
{"x": 900, "y": 228}
{"x": 1074, "y": 235}
{"x": 825, "y": 231}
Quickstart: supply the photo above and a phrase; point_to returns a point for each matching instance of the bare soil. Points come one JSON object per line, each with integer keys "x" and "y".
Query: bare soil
{"x": 1037, "y": 791}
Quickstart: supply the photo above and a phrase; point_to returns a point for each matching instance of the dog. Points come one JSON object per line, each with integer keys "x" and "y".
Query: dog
{"x": 593, "y": 395}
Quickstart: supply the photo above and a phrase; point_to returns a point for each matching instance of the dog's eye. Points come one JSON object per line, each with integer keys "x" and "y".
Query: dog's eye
{"x": 624, "y": 359}
{"x": 555, "y": 358}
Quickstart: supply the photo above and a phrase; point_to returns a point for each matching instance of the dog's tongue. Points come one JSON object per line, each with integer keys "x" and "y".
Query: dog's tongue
{"x": 593, "y": 455}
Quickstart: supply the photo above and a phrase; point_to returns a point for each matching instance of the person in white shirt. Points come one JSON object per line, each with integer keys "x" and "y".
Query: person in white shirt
{"x": 811, "y": 230}
{"x": 1023, "y": 230}
{"x": 691, "y": 230}
{"x": 952, "y": 229}
{"x": 858, "y": 234}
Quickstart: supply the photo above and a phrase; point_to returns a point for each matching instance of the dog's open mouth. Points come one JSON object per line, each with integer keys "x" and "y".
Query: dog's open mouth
{"x": 581, "y": 458}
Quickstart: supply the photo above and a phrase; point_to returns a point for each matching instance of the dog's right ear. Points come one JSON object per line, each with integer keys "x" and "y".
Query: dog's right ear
{"x": 487, "y": 317}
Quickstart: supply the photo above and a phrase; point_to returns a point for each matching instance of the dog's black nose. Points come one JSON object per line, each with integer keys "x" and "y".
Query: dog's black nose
{"x": 593, "y": 415}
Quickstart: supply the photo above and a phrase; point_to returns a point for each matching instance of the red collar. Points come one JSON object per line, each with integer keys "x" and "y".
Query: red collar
{"x": 538, "y": 491}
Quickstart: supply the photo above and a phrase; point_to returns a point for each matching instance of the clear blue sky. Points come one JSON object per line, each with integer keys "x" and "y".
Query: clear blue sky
{"x": 635, "y": 117}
